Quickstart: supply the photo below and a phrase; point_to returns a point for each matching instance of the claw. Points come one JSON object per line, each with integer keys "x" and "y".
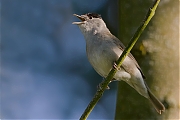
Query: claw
{"x": 107, "y": 88}
{"x": 99, "y": 87}
{"x": 115, "y": 66}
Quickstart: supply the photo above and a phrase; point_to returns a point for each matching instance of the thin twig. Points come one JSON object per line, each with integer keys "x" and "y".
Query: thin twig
{"x": 119, "y": 62}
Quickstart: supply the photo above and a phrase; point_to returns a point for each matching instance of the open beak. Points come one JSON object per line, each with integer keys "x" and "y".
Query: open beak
{"x": 81, "y": 18}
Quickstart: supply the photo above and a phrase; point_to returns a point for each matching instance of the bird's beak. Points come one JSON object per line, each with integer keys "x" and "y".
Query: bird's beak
{"x": 81, "y": 18}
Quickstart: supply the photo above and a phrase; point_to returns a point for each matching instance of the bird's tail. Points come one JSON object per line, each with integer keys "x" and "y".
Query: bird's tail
{"x": 156, "y": 103}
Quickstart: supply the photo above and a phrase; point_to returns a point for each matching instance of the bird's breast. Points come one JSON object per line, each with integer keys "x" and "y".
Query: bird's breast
{"x": 102, "y": 56}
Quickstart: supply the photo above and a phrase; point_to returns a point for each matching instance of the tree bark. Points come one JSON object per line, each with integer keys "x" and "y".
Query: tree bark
{"x": 159, "y": 60}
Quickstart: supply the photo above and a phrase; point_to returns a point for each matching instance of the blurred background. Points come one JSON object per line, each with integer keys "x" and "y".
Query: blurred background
{"x": 44, "y": 71}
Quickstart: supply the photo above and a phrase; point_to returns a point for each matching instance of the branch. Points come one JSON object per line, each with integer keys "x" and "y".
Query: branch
{"x": 119, "y": 62}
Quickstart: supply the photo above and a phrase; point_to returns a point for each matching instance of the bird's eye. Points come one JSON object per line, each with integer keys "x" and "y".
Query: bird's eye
{"x": 90, "y": 17}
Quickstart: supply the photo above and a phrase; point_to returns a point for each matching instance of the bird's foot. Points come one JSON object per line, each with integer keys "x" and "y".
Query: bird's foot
{"x": 115, "y": 66}
{"x": 107, "y": 88}
{"x": 99, "y": 86}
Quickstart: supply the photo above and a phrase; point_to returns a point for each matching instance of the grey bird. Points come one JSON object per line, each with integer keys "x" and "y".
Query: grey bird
{"x": 103, "y": 49}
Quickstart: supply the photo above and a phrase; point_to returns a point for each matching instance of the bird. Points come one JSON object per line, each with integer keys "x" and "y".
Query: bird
{"x": 103, "y": 50}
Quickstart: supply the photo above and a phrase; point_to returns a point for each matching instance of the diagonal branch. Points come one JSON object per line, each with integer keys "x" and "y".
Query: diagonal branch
{"x": 119, "y": 62}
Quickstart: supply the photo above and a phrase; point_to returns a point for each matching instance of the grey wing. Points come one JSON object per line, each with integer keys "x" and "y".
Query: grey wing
{"x": 122, "y": 47}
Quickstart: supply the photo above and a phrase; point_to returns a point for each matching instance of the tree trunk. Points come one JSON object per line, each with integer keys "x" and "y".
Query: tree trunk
{"x": 159, "y": 61}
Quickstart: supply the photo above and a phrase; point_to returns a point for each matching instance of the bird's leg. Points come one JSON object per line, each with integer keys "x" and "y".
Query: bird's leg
{"x": 115, "y": 66}
{"x": 99, "y": 86}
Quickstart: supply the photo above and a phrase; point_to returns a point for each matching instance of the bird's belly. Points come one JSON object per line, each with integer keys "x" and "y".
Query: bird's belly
{"x": 101, "y": 64}
{"x": 103, "y": 57}
{"x": 103, "y": 67}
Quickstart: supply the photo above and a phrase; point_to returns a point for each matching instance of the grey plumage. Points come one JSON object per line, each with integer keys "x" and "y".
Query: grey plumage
{"x": 103, "y": 49}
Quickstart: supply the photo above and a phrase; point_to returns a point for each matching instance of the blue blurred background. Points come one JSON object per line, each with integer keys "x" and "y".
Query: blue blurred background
{"x": 44, "y": 70}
